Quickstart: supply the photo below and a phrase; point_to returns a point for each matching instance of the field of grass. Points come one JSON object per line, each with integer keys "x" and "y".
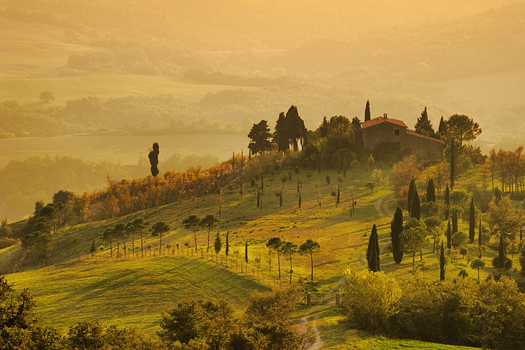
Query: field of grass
{"x": 342, "y": 237}
{"x": 129, "y": 292}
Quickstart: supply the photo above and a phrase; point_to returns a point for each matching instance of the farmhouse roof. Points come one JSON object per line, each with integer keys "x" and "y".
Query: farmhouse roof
{"x": 380, "y": 120}
{"x": 413, "y": 133}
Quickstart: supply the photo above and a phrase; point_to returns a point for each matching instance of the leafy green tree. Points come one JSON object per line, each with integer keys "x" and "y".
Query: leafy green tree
{"x": 433, "y": 224}
{"x": 209, "y": 222}
{"x": 86, "y": 335}
{"x": 310, "y": 248}
{"x": 158, "y": 229}
{"x": 431, "y": 191}
{"x": 477, "y": 264}
{"x": 259, "y": 137}
{"x": 371, "y": 298}
{"x": 504, "y": 219}
{"x": 461, "y": 128}
{"x": 372, "y": 253}
{"x": 413, "y": 238}
{"x": 284, "y": 177}
{"x": 289, "y": 249}
{"x": 192, "y": 223}
{"x": 442, "y": 263}
{"x": 367, "y": 111}
{"x": 217, "y": 244}
{"x": 396, "y": 228}
{"x": 423, "y": 125}
{"x": 119, "y": 232}
{"x": 15, "y": 307}
{"x": 459, "y": 239}
{"x": 415, "y": 211}
{"x": 276, "y": 244}
{"x": 323, "y": 128}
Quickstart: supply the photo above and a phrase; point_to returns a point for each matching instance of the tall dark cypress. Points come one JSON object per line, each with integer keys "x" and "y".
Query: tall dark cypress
{"x": 449, "y": 235}
{"x": 372, "y": 253}
{"x": 442, "y": 263}
{"x": 416, "y": 206}
{"x": 281, "y": 199}
{"x": 472, "y": 222}
{"x": 367, "y": 111}
{"x": 246, "y": 252}
{"x": 431, "y": 191}
{"x": 227, "y": 243}
{"x": 447, "y": 202}
{"x": 480, "y": 251}
{"x": 411, "y": 188}
{"x": 454, "y": 220}
{"x": 396, "y": 227}
{"x": 452, "y": 165}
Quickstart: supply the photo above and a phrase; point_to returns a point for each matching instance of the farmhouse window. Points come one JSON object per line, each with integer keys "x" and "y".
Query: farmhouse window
{"x": 396, "y": 132}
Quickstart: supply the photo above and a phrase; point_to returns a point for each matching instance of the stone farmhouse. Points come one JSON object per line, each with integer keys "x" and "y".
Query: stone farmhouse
{"x": 384, "y": 129}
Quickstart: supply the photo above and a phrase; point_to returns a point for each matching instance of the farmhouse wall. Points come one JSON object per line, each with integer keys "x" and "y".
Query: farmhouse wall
{"x": 382, "y": 129}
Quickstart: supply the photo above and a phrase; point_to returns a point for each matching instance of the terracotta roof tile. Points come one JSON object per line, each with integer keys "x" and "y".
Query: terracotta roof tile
{"x": 413, "y": 133}
{"x": 380, "y": 120}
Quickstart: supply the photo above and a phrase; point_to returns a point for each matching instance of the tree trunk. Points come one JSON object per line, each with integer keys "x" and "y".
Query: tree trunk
{"x": 279, "y": 264}
{"x": 195, "y": 236}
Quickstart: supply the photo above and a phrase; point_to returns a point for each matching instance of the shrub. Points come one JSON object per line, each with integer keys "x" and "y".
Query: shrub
{"x": 507, "y": 265}
{"x": 7, "y": 242}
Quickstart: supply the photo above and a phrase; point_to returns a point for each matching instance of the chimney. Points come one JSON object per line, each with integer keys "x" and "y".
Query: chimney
{"x": 384, "y": 116}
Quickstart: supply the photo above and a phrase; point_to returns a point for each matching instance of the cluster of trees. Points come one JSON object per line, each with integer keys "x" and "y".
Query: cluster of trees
{"x": 509, "y": 166}
{"x": 288, "y": 249}
{"x": 120, "y": 233}
{"x": 205, "y": 324}
{"x": 461, "y": 312}
{"x": 191, "y": 324}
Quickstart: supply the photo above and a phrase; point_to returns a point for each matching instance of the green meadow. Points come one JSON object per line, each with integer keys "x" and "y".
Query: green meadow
{"x": 134, "y": 290}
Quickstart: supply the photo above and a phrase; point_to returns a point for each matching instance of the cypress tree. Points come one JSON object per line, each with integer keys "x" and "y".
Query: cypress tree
{"x": 454, "y": 220}
{"x": 367, "y": 111}
{"x": 447, "y": 202}
{"x": 416, "y": 206}
{"x": 452, "y": 165}
{"x": 372, "y": 253}
{"x": 300, "y": 193}
{"x": 411, "y": 188}
{"x": 449, "y": 235}
{"x": 281, "y": 199}
{"x": 338, "y": 195}
{"x": 431, "y": 191}
{"x": 472, "y": 222}
{"x": 227, "y": 250}
{"x": 442, "y": 128}
{"x": 442, "y": 263}
{"x": 396, "y": 227}
{"x": 258, "y": 198}
{"x": 246, "y": 251}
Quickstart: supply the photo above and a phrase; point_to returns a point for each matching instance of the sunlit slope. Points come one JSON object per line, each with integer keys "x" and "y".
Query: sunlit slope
{"x": 129, "y": 293}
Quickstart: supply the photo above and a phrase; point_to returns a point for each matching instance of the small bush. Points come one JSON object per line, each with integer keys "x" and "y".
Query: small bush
{"x": 507, "y": 264}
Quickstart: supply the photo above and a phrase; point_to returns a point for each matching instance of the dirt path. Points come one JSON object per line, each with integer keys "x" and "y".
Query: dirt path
{"x": 381, "y": 204}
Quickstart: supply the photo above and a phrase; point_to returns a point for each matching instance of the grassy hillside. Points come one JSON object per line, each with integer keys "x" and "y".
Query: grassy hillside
{"x": 90, "y": 287}
{"x": 133, "y": 293}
